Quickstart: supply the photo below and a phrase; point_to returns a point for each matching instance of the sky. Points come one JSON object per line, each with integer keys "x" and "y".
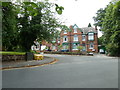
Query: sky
{"x": 80, "y": 12}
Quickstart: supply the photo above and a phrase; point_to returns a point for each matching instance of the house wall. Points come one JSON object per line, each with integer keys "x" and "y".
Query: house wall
{"x": 70, "y": 36}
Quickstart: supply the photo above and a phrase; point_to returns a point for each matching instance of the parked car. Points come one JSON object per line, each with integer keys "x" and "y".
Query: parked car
{"x": 90, "y": 54}
{"x": 64, "y": 50}
{"x": 48, "y": 50}
{"x": 102, "y": 51}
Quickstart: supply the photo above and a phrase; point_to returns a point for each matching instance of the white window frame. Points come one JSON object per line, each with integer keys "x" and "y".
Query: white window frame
{"x": 90, "y": 45}
{"x": 76, "y": 46}
{"x": 64, "y": 39}
{"x": 75, "y": 30}
{"x": 84, "y": 47}
{"x": 65, "y": 47}
{"x": 91, "y": 36}
{"x": 75, "y": 38}
{"x": 53, "y": 47}
{"x": 83, "y": 39}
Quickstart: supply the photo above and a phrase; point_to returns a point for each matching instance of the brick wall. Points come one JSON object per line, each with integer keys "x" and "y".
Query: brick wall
{"x": 71, "y": 34}
{"x": 13, "y": 57}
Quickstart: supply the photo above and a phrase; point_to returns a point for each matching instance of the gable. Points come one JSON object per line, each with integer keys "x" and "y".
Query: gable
{"x": 75, "y": 26}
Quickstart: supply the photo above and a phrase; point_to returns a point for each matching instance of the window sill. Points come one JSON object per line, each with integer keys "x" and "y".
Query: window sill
{"x": 83, "y": 40}
{"x": 65, "y": 41}
{"x": 75, "y": 32}
{"x": 75, "y": 40}
{"x": 74, "y": 49}
{"x": 90, "y": 48}
{"x": 90, "y": 40}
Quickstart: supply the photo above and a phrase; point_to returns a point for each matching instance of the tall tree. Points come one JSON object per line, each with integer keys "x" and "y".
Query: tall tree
{"x": 110, "y": 23}
{"x": 9, "y": 26}
{"x": 99, "y": 18}
{"x": 39, "y": 27}
{"x": 25, "y": 22}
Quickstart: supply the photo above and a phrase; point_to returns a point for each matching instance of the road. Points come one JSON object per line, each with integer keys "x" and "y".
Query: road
{"x": 97, "y": 71}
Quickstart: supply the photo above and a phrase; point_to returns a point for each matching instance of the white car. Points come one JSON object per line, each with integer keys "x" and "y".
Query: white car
{"x": 101, "y": 51}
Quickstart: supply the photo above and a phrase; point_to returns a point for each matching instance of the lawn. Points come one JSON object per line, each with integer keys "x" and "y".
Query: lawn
{"x": 11, "y": 53}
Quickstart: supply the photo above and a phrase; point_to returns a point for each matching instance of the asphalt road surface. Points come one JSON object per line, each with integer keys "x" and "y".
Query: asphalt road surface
{"x": 97, "y": 71}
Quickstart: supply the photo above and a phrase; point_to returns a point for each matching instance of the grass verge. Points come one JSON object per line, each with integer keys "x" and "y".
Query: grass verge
{"x": 11, "y": 53}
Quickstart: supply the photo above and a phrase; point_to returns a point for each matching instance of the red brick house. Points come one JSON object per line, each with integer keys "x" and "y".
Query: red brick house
{"x": 73, "y": 37}
{"x": 53, "y": 45}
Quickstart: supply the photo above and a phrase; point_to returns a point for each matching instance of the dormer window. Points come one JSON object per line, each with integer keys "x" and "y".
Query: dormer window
{"x": 65, "y": 32}
{"x": 91, "y": 36}
{"x": 75, "y": 30}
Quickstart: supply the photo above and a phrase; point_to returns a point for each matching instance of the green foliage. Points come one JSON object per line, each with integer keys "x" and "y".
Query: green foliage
{"x": 9, "y": 26}
{"x": 33, "y": 52}
{"x": 101, "y": 40}
{"x": 109, "y": 21}
{"x": 12, "y": 53}
{"x": 99, "y": 18}
{"x": 59, "y": 9}
{"x": 59, "y": 47}
{"x": 112, "y": 49}
{"x": 23, "y": 23}
{"x": 79, "y": 48}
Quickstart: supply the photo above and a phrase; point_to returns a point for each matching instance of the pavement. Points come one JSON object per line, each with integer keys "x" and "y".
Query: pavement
{"x": 30, "y": 63}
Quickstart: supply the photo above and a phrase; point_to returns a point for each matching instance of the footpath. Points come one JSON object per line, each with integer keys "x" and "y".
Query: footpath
{"x": 30, "y": 63}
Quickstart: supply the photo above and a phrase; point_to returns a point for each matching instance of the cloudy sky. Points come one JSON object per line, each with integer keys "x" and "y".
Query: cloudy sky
{"x": 80, "y": 12}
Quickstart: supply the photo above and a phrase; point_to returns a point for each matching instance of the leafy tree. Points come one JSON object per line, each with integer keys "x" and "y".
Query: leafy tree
{"x": 99, "y": 18}
{"x": 9, "y": 26}
{"x": 60, "y": 47}
{"x": 111, "y": 28}
{"x": 59, "y": 9}
{"x": 28, "y": 30}
{"x": 110, "y": 23}
{"x": 30, "y": 21}
{"x": 41, "y": 26}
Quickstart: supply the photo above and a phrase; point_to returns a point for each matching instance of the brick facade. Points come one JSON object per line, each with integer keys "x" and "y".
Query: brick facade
{"x": 72, "y": 39}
